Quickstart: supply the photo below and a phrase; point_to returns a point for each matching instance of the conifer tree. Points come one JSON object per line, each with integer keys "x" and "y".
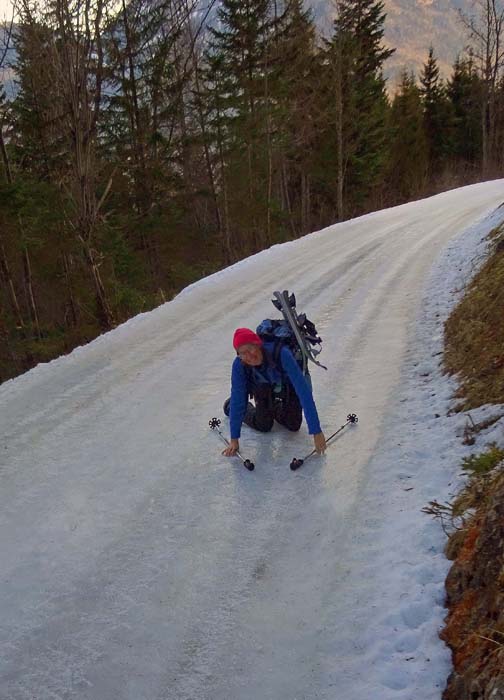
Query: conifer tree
{"x": 65, "y": 48}
{"x": 436, "y": 114}
{"x": 144, "y": 119}
{"x": 355, "y": 56}
{"x": 294, "y": 93}
{"x": 237, "y": 79}
{"x": 38, "y": 141}
{"x": 464, "y": 93}
{"x": 407, "y": 171}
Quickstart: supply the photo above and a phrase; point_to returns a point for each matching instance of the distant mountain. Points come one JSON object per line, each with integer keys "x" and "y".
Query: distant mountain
{"x": 411, "y": 27}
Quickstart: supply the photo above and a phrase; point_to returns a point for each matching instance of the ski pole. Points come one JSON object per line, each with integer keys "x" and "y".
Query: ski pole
{"x": 296, "y": 463}
{"x": 214, "y": 423}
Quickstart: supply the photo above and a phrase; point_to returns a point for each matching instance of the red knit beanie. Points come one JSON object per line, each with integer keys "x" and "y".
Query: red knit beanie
{"x": 243, "y": 336}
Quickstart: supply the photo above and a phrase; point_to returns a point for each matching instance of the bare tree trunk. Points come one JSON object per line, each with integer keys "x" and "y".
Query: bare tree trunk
{"x": 255, "y": 229}
{"x": 484, "y": 136}
{"x": 485, "y": 30}
{"x": 496, "y": 20}
{"x": 80, "y": 60}
{"x": 228, "y": 239}
{"x": 286, "y": 197}
{"x": 269, "y": 193}
{"x": 142, "y": 188}
{"x": 6, "y": 275}
{"x": 308, "y": 205}
{"x": 5, "y": 157}
{"x": 229, "y": 242}
{"x": 71, "y": 298}
{"x": 256, "y": 233}
{"x": 4, "y": 342}
{"x": 138, "y": 165}
{"x": 187, "y": 165}
{"x": 203, "y": 126}
{"x": 208, "y": 162}
{"x": 29, "y": 292}
{"x": 339, "y": 136}
{"x": 7, "y": 32}
{"x": 305, "y": 203}
{"x": 105, "y": 314}
{"x": 269, "y": 154}
{"x": 303, "y": 182}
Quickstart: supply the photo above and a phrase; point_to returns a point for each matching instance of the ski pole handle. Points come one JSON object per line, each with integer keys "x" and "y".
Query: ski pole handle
{"x": 296, "y": 463}
{"x": 351, "y": 418}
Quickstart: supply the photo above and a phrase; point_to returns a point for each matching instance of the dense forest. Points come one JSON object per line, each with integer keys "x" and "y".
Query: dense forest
{"x": 145, "y": 146}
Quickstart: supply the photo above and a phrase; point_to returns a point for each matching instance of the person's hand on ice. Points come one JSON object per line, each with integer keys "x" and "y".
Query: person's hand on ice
{"x": 233, "y": 448}
{"x": 320, "y": 443}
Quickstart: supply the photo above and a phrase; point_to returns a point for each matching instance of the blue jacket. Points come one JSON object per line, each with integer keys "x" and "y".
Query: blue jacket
{"x": 244, "y": 379}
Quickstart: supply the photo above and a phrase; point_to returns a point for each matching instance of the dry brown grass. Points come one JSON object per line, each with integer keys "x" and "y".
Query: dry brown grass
{"x": 474, "y": 334}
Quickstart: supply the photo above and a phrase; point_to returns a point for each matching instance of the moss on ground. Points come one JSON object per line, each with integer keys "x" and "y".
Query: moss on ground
{"x": 474, "y": 333}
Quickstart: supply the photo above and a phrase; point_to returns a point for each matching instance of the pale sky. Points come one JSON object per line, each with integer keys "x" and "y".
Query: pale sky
{"x": 5, "y": 9}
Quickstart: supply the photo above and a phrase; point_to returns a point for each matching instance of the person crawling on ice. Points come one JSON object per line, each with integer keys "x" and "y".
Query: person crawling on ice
{"x": 279, "y": 391}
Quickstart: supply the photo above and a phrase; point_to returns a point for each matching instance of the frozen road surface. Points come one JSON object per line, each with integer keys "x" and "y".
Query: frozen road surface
{"x": 136, "y": 563}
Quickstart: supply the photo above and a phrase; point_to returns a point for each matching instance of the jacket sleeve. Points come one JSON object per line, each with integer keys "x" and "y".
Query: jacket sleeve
{"x": 302, "y": 389}
{"x": 239, "y": 397}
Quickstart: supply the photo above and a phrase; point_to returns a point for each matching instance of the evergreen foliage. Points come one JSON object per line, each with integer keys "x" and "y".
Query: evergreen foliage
{"x": 294, "y": 86}
{"x": 143, "y": 150}
{"x": 437, "y": 114}
{"x": 409, "y": 147}
{"x": 484, "y": 463}
{"x": 239, "y": 75}
{"x": 355, "y": 56}
{"x": 464, "y": 94}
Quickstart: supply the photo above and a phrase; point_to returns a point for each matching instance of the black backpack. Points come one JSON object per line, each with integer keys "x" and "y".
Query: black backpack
{"x": 295, "y": 331}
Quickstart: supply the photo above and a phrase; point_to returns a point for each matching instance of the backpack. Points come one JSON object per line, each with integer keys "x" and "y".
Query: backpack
{"x": 294, "y": 331}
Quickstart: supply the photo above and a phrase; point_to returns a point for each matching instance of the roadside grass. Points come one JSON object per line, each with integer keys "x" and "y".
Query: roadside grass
{"x": 485, "y": 473}
{"x": 482, "y": 464}
{"x": 474, "y": 351}
{"x": 471, "y": 518}
{"x": 474, "y": 334}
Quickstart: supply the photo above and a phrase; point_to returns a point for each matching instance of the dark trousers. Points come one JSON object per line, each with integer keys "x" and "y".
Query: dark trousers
{"x": 285, "y": 409}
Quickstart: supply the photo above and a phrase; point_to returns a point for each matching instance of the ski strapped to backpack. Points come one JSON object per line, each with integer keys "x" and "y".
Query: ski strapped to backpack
{"x": 294, "y": 330}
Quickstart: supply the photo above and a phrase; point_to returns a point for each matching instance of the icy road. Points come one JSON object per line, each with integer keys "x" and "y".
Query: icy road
{"x": 137, "y": 563}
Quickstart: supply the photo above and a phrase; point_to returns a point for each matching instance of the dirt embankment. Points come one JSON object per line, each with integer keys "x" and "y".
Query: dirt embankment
{"x": 474, "y": 630}
{"x": 475, "y": 599}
